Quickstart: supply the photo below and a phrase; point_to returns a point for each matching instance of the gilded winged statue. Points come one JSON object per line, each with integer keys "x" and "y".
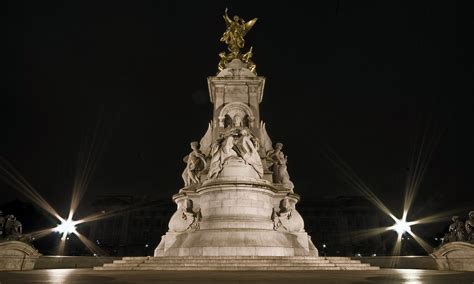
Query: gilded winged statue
{"x": 237, "y": 28}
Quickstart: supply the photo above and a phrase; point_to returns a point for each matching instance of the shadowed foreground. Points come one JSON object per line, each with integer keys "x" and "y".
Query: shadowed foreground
{"x": 395, "y": 276}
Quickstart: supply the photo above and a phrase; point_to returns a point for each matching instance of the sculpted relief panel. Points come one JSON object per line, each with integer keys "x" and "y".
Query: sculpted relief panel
{"x": 185, "y": 218}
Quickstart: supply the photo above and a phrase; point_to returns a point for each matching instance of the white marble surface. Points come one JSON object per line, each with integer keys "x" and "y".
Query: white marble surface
{"x": 457, "y": 256}
{"x": 15, "y": 255}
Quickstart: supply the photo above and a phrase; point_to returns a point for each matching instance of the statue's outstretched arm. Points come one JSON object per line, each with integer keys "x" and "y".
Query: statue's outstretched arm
{"x": 227, "y": 20}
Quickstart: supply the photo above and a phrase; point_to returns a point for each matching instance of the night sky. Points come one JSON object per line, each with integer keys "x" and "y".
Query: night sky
{"x": 365, "y": 79}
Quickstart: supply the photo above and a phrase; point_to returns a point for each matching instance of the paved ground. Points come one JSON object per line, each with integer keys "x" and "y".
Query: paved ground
{"x": 386, "y": 276}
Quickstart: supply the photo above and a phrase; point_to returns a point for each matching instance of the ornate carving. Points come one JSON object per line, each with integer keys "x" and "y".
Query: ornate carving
{"x": 11, "y": 229}
{"x": 456, "y": 231}
{"x": 206, "y": 140}
{"x": 196, "y": 163}
{"x": 287, "y": 218}
{"x": 276, "y": 161}
{"x": 185, "y": 218}
{"x": 234, "y": 109}
{"x": 237, "y": 28}
{"x": 237, "y": 142}
{"x": 469, "y": 225}
{"x": 267, "y": 144}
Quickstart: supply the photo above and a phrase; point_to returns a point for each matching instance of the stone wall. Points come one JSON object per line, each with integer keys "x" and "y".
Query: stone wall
{"x": 54, "y": 262}
{"x": 403, "y": 262}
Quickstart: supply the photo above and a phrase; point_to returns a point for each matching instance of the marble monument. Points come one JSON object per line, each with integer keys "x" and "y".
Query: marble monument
{"x": 16, "y": 252}
{"x": 457, "y": 250}
{"x": 237, "y": 199}
{"x": 237, "y": 209}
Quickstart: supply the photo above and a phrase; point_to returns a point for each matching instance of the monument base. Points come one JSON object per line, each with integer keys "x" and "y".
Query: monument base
{"x": 235, "y": 216}
{"x": 15, "y": 255}
{"x": 456, "y": 256}
{"x": 232, "y": 242}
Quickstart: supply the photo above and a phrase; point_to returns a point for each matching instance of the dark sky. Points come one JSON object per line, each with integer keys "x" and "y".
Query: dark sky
{"x": 364, "y": 78}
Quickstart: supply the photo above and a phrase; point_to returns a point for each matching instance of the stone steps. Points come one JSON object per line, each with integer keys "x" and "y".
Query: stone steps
{"x": 235, "y": 260}
{"x": 235, "y": 263}
{"x": 223, "y": 268}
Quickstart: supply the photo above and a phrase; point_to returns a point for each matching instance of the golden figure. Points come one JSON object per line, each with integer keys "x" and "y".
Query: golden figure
{"x": 246, "y": 58}
{"x": 237, "y": 28}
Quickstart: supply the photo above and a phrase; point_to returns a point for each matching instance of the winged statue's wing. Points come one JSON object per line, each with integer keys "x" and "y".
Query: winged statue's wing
{"x": 206, "y": 141}
{"x": 248, "y": 25}
{"x": 266, "y": 141}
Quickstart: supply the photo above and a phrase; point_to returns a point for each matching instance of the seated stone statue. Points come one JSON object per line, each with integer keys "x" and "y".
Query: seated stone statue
{"x": 456, "y": 231}
{"x": 469, "y": 225}
{"x": 459, "y": 230}
{"x": 196, "y": 163}
{"x": 237, "y": 142}
{"x": 277, "y": 161}
{"x": 13, "y": 228}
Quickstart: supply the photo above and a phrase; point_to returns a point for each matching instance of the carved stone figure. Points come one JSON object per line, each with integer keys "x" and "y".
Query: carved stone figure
{"x": 456, "y": 231}
{"x": 277, "y": 163}
{"x": 236, "y": 142}
{"x": 470, "y": 227}
{"x": 185, "y": 219}
{"x": 459, "y": 230}
{"x": 281, "y": 217}
{"x": 196, "y": 163}
{"x": 12, "y": 228}
{"x": 287, "y": 218}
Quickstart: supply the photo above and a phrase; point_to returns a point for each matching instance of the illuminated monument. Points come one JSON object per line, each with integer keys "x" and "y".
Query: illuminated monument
{"x": 237, "y": 208}
{"x": 237, "y": 199}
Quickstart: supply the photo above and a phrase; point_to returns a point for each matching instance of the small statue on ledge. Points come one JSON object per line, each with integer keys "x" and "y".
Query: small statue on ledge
{"x": 11, "y": 229}
{"x": 277, "y": 161}
{"x": 456, "y": 231}
{"x": 196, "y": 163}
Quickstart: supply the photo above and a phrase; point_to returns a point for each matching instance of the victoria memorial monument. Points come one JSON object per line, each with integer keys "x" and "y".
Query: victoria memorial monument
{"x": 237, "y": 209}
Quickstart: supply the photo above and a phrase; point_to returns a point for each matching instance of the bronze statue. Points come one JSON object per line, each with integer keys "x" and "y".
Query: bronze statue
{"x": 237, "y": 28}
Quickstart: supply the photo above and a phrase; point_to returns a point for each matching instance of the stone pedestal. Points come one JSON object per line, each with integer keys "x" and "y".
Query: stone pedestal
{"x": 236, "y": 209}
{"x": 15, "y": 255}
{"x": 457, "y": 256}
{"x": 235, "y": 219}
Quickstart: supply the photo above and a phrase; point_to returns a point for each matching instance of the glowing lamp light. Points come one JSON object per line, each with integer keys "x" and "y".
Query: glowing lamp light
{"x": 66, "y": 227}
{"x": 401, "y": 226}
